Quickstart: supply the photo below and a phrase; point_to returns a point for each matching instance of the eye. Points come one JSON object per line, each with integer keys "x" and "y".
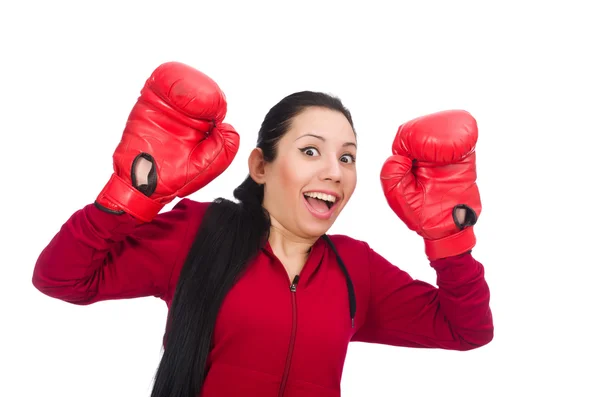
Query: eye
{"x": 348, "y": 158}
{"x": 310, "y": 151}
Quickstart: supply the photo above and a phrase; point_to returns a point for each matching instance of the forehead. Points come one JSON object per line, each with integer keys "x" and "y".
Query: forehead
{"x": 329, "y": 124}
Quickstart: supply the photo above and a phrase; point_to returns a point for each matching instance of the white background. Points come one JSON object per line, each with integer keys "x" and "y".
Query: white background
{"x": 528, "y": 71}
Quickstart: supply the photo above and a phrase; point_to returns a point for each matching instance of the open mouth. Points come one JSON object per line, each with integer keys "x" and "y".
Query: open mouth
{"x": 320, "y": 202}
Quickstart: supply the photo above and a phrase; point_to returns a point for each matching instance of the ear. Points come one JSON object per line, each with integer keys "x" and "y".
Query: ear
{"x": 256, "y": 166}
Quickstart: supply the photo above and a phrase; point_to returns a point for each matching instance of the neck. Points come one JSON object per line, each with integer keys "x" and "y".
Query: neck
{"x": 287, "y": 245}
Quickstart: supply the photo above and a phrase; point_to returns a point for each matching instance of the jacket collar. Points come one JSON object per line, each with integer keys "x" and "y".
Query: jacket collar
{"x": 315, "y": 258}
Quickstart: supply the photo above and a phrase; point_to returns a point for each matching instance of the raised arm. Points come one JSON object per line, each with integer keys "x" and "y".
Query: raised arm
{"x": 412, "y": 313}
{"x": 430, "y": 183}
{"x": 99, "y": 256}
{"x": 174, "y": 143}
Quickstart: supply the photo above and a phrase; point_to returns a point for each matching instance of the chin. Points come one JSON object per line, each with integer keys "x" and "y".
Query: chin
{"x": 314, "y": 232}
{"x": 317, "y": 228}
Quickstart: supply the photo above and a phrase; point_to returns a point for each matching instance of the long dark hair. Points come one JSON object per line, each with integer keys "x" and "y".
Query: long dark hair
{"x": 230, "y": 236}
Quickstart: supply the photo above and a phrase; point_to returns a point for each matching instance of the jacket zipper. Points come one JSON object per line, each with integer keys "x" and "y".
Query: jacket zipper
{"x": 292, "y": 338}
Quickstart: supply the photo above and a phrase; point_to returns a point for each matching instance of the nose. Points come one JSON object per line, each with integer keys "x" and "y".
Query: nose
{"x": 332, "y": 170}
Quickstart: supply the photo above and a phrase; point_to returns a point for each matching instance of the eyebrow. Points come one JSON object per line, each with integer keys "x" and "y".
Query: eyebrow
{"x": 323, "y": 139}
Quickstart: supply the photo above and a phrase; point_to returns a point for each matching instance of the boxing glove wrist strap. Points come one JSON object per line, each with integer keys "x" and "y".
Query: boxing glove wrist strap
{"x": 118, "y": 195}
{"x": 453, "y": 245}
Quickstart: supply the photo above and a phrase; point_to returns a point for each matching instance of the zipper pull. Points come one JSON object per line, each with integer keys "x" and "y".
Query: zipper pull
{"x": 294, "y": 283}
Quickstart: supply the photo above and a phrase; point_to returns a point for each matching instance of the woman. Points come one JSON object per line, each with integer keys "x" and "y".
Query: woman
{"x": 261, "y": 301}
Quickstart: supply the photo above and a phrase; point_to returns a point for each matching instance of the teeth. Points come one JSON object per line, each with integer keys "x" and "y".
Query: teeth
{"x": 321, "y": 196}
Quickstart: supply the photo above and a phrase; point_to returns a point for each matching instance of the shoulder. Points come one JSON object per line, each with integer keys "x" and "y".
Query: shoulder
{"x": 353, "y": 252}
{"x": 180, "y": 223}
{"x": 358, "y": 256}
{"x": 342, "y": 241}
{"x": 183, "y": 221}
{"x": 185, "y": 211}
{"x": 189, "y": 206}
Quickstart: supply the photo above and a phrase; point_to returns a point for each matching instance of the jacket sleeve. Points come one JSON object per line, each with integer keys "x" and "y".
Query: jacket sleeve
{"x": 411, "y": 313}
{"x": 98, "y": 256}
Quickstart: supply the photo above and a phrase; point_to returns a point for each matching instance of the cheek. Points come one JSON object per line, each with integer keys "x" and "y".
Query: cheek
{"x": 350, "y": 183}
{"x": 291, "y": 178}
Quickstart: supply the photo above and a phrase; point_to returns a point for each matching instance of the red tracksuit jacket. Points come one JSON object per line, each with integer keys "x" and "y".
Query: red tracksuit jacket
{"x": 272, "y": 339}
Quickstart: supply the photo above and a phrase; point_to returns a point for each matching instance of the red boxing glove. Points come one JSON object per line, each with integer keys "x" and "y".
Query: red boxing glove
{"x": 177, "y": 125}
{"x": 431, "y": 175}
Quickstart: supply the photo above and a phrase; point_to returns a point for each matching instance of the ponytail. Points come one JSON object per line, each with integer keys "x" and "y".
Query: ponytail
{"x": 230, "y": 236}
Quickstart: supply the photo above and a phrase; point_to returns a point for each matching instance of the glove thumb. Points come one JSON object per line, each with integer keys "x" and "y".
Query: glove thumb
{"x": 402, "y": 192}
{"x": 212, "y": 157}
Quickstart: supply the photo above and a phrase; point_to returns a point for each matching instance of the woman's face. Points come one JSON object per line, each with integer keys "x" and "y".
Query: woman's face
{"x": 313, "y": 175}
